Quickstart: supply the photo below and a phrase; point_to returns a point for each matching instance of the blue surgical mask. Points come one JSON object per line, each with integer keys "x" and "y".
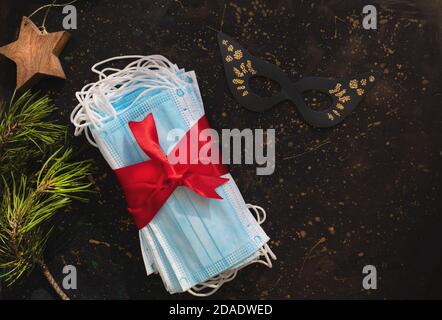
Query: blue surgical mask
{"x": 193, "y": 241}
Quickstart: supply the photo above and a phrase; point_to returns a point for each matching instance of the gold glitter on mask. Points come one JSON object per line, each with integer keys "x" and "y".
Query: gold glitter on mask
{"x": 238, "y": 81}
{"x": 244, "y": 93}
{"x": 237, "y": 54}
{"x": 243, "y": 67}
{"x": 341, "y": 93}
{"x": 330, "y": 116}
{"x": 360, "y": 92}
{"x": 240, "y": 88}
{"x": 230, "y": 48}
{"x": 238, "y": 73}
{"x": 336, "y": 113}
{"x": 371, "y": 78}
{"x": 250, "y": 67}
{"x": 225, "y": 42}
{"x": 229, "y": 59}
{"x": 340, "y": 106}
{"x": 344, "y": 99}
{"x": 353, "y": 84}
{"x": 364, "y": 82}
{"x": 336, "y": 89}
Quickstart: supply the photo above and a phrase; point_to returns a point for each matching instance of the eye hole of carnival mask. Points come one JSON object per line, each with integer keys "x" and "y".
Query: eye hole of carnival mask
{"x": 317, "y": 100}
{"x": 264, "y": 86}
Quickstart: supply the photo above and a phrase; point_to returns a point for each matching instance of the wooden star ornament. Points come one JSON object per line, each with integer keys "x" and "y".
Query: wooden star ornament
{"x": 35, "y": 53}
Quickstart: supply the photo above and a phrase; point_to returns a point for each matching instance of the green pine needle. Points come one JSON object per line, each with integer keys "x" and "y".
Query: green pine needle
{"x": 30, "y": 200}
{"x": 25, "y": 131}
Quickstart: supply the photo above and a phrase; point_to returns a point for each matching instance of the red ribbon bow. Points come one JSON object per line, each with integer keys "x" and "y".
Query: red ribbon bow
{"x": 147, "y": 185}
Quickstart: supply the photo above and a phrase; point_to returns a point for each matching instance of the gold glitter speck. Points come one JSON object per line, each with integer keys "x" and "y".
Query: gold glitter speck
{"x": 238, "y": 73}
{"x": 336, "y": 113}
{"x": 237, "y": 54}
{"x": 341, "y": 93}
{"x": 340, "y": 106}
{"x": 330, "y": 116}
{"x": 225, "y": 42}
{"x": 229, "y": 59}
{"x": 364, "y": 82}
{"x": 336, "y": 89}
{"x": 371, "y": 78}
{"x": 250, "y": 67}
{"x": 353, "y": 84}
{"x": 360, "y": 92}
{"x": 244, "y": 93}
{"x": 344, "y": 99}
{"x": 243, "y": 67}
{"x": 240, "y": 88}
{"x": 238, "y": 81}
{"x": 230, "y": 48}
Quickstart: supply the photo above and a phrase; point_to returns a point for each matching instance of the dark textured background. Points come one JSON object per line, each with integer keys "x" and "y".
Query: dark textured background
{"x": 369, "y": 187}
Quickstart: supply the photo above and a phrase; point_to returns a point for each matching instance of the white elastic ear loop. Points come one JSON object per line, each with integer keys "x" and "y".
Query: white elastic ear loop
{"x": 214, "y": 285}
{"x": 123, "y": 81}
{"x": 216, "y": 282}
{"x": 101, "y": 73}
{"x": 261, "y": 215}
{"x": 146, "y": 72}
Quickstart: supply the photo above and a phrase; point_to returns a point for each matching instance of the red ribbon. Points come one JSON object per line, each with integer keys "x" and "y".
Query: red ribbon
{"x": 147, "y": 185}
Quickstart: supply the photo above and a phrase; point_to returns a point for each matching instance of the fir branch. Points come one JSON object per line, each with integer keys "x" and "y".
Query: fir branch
{"x": 29, "y": 200}
{"x": 24, "y": 129}
{"x": 52, "y": 281}
{"x": 27, "y": 205}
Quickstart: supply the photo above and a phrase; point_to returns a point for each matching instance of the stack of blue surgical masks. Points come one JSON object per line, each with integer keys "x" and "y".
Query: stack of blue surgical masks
{"x": 194, "y": 243}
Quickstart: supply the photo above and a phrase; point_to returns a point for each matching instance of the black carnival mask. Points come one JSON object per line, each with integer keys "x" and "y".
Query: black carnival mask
{"x": 240, "y": 67}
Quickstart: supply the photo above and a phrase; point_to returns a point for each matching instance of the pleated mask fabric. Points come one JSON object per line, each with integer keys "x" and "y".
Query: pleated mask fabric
{"x": 194, "y": 243}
